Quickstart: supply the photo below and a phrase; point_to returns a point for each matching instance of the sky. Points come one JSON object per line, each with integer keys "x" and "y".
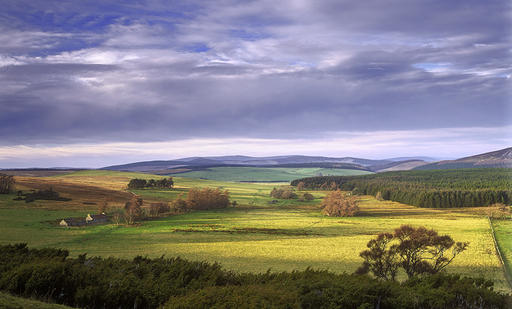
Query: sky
{"x": 96, "y": 83}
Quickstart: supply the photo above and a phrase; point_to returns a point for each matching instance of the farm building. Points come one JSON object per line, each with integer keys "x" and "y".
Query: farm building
{"x": 72, "y": 222}
{"x": 88, "y": 220}
{"x": 95, "y": 219}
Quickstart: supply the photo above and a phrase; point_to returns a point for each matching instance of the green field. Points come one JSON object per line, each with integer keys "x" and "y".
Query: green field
{"x": 503, "y": 233}
{"x": 253, "y": 237}
{"x": 266, "y": 174}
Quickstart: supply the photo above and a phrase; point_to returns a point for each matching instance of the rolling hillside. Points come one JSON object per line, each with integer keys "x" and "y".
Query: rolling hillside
{"x": 266, "y": 174}
{"x": 499, "y": 158}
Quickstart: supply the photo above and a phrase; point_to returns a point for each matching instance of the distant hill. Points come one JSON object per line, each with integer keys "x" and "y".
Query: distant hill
{"x": 400, "y": 166}
{"x": 499, "y": 158}
{"x": 200, "y": 163}
{"x": 426, "y": 159}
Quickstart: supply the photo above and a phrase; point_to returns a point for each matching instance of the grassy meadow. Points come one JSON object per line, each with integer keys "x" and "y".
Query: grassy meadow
{"x": 503, "y": 233}
{"x": 267, "y": 174}
{"x": 253, "y": 237}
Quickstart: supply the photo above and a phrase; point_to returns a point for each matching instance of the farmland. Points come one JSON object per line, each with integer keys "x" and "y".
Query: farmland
{"x": 266, "y": 174}
{"x": 253, "y": 237}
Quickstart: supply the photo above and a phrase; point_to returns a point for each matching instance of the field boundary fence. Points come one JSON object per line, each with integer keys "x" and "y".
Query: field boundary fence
{"x": 500, "y": 256}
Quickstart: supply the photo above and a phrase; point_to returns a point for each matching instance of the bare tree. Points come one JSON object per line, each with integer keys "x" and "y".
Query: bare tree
{"x": 6, "y": 184}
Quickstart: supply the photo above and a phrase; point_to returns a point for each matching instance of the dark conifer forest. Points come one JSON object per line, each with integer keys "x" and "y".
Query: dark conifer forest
{"x": 432, "y": 189}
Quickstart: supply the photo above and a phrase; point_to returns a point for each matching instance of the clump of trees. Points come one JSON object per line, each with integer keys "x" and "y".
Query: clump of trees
{"x": 49, "y": 195}
{"x": 340, "y": 204}
{"x": 164, "y": 183}
{"x": 207, "y": 198}
{"x": 202, "y": 199}
{"x": 283, "y": 193}
{"x": 6, "y": 184}
{"x": 95, "y": 282}
{"x": 417, "y": 251}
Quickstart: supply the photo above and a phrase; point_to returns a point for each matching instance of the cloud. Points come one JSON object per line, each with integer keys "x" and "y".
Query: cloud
{"x": 151, "y": 71}
{"x": 444, "y": 143}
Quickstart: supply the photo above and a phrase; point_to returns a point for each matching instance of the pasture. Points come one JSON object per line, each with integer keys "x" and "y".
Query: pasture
{"x": 266, "y": 174}
{"x": 255, "y": 236}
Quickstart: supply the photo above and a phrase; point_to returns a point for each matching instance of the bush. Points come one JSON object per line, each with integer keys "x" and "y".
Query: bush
{"x": 164, "y": 183}
{"x": 49, "y": 195}
{"x": 245, "y": 296}
{"x": 308, "y": 197}
{"x": 283, "y": 193}
{"x": 338, "y": 204}
{"x": 158, "y": 208}
{"x": 207, "y": 198}
{"x": 179, "y": 205}
{"x": 95, "y": 282}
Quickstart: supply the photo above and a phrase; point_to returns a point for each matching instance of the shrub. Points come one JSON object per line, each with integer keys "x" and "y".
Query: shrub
{"x": 308, "y": 197}
{"x": 245, "y": 296}
{"x": 283, "y": 193}
{"x": 207, "y": 198}
{"x": 338, "y": 204}
{"x": 95, "y": 282}
{"x": 49, "y": 195}
{"x": 179, "y": 205}
{"x": 164, "y": 183}
{"x": 158, "y": 208}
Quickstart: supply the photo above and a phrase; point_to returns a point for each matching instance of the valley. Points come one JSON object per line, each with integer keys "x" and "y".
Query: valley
{"x": 254, "y": 236}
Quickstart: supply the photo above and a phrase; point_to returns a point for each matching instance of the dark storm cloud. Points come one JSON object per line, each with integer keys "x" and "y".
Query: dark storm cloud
{"x": 157, "y": 71}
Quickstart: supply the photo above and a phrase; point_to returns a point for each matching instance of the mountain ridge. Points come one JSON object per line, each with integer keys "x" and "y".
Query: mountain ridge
{"x": 497, "y": 158}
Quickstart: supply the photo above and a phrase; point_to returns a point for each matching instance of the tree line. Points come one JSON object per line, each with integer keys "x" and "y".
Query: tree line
{"x": 164, "y": 183}
{"x": 95, "y": 282}
{"x": 197, "y": 199}
{"x": 436, "y": 189}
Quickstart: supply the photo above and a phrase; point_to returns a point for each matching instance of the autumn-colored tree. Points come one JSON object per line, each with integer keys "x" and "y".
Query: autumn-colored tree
{"x": 416, "y": 250}
{"x": 333, "y": 186}
{"x": 179, "y": 205}
{"x": 6, "y": 184}
{"x": 379, "y": 197}
{"x": 283, "y": 193}
{"x": 133, "y": 210}
{"x": 207, "y": 198}
{"x": 301, "y": 186}
{"x": 338, "y": 204}
{"x": 158, "y": 208}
